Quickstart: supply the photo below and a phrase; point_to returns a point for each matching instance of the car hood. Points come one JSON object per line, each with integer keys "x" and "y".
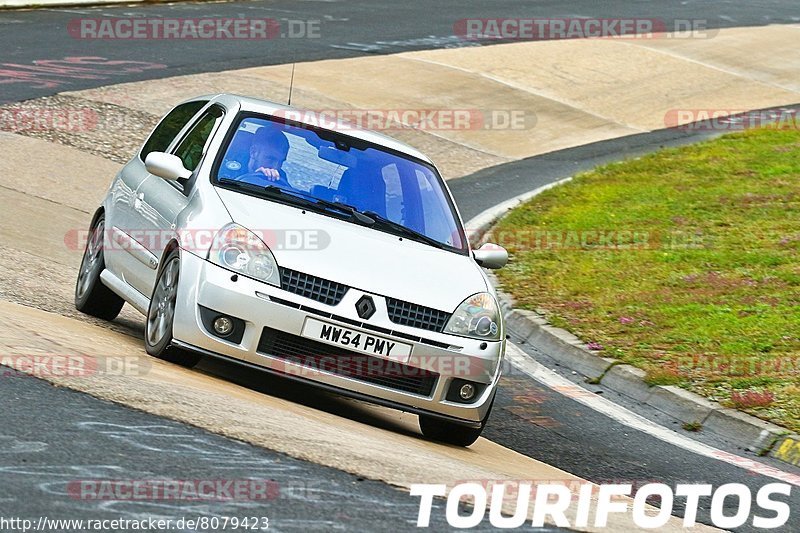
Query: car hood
{"x": 360, "y": 257}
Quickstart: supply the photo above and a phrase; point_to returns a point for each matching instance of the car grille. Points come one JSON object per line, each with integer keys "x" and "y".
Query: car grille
{"x": 416, "y": 316}
{"x": 319, "y": 289}
{"x": 336, "y": 360}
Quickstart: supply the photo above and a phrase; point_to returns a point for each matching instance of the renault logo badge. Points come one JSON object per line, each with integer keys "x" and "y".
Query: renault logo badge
{"x": 365, "y": 307}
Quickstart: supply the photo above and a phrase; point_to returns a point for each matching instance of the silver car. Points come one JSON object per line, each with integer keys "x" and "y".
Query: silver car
{"x": 323, "y": 253}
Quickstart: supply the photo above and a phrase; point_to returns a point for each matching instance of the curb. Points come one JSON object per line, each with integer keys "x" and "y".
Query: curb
{"x": 743, "y": 430}
{"x": 787, "y": 450}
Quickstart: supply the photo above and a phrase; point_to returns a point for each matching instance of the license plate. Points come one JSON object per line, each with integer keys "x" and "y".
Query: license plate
{"x": 356, "y": 340}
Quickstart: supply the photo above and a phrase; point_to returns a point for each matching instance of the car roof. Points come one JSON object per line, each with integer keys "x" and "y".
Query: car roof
{"x": 266, "y": 107}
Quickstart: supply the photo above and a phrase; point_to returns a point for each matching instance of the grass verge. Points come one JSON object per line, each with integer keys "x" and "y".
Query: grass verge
{"x": 684, "y": 263}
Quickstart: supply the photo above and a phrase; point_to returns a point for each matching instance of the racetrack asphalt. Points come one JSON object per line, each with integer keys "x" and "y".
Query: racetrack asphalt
{"x": 34, "y": 39}
{"x": 47, "y": 460}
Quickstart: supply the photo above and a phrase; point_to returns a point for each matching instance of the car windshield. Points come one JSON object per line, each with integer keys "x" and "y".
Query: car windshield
{"x": 324, "y": 165}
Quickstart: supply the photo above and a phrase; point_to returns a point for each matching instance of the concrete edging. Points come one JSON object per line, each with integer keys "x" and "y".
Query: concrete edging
{"x": 787, "y": 449}
{"x": 741, "y": 429}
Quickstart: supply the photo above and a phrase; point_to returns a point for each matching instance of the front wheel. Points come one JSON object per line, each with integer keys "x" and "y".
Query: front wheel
{"x": 161, "y": 315}
{"x": 451, "y": 432}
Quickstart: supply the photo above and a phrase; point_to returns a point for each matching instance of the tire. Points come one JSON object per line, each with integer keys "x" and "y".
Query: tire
{"x": 91, "y": 296}
{"x": 161, "y": 315}
{"x": 440, "y": 430}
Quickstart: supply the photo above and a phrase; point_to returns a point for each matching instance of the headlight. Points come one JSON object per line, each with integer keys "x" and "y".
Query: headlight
{"x": 239, "y": 249}
{"x": 478, "y": 316}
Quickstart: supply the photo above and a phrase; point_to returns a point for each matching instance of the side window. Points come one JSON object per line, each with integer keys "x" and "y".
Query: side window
{"x": 169, "y": 128}
{"x": 193, "y": 146}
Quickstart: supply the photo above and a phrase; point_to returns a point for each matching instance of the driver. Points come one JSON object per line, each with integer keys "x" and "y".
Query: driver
{"x": 268, "y": 152}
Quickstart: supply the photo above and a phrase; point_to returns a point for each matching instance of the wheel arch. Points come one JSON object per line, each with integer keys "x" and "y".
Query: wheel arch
{"x": 100, "y": 211}
{"x": 171, "y": 246}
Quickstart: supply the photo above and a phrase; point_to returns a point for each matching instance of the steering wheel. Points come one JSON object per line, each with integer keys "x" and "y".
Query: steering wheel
{"x": 259, "y": 178}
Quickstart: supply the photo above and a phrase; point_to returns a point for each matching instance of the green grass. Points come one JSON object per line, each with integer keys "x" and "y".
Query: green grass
{"x": 704, "y": 289}
{"x": 692, "y": 426}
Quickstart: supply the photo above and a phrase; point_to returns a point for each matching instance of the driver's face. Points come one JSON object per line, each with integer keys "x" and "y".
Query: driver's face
{"x": 263, "y": 155}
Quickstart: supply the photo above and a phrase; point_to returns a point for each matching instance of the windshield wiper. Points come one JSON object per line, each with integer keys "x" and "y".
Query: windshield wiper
{"x": 271, "y": 191}
{"x": 313, "y": 200}
{"x": 404, "y": 230}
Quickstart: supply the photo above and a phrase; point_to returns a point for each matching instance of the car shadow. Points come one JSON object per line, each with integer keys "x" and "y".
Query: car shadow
{"x": 269, "y": 384}
{"x": 299, "y": 393}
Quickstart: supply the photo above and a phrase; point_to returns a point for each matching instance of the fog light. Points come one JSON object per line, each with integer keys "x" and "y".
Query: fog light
{"x": 223, "y": 326}
{"x": 467, "y": 391}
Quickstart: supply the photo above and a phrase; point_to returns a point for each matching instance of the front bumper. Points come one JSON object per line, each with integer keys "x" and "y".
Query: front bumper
{"x": 260, "y": 306}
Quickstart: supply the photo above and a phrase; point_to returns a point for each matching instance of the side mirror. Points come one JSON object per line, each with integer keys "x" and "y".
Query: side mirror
{"x": 491, "y": 256}
{"x": 166, "y": 166}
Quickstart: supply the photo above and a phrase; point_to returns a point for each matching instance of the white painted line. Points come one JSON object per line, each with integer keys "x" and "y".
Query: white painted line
{"x": 616, "y": 412}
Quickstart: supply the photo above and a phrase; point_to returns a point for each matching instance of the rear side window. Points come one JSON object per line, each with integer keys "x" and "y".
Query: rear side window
{"x": 169, "y": 128}
{"x": 192, "y": 147}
